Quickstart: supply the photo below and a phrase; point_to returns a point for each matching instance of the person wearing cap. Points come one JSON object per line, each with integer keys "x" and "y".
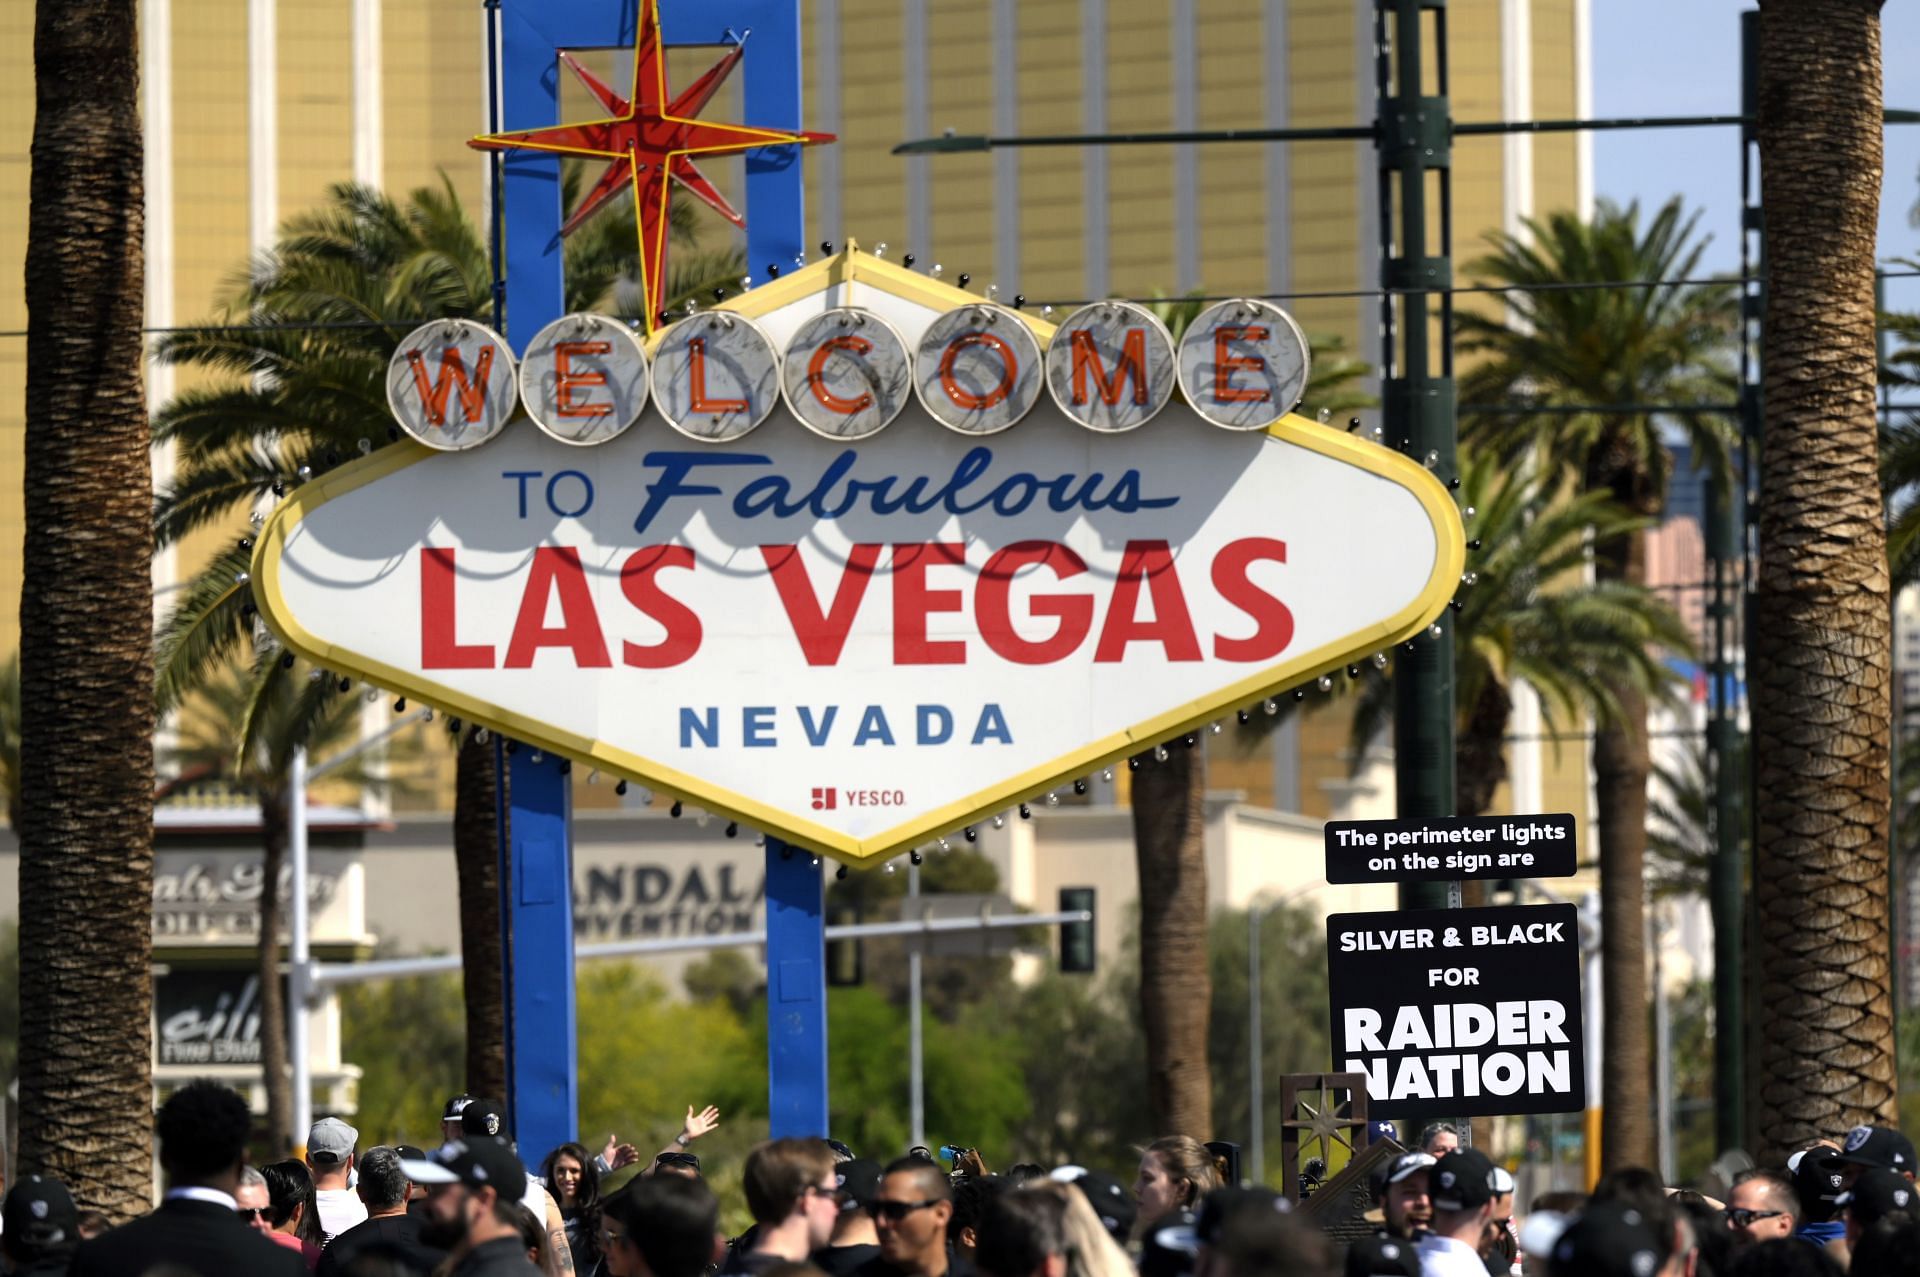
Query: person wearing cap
{"x": 482, "y": 1120}
{"x": 792, "y": 1188}
{"x": 1168, "y": 1247}
{"x": 854, "y": 1241}
{"x": 330, "y": 1157}
{"x": 39, "y": 1228}
{"x": 203, "y": 1129}
{"x": 1108, "y": 1197}
{"x": 470, "y": 1184}
{"x": 1614, "y": 1239}
{"x": 388, "y": 1229}
{"x": 1875, "y": 1195}
{"x": 1867, "y": 1147}
{"x": 1499, "y": 1248}
{"x": 1406, "y": 1209}
{"x": 1817, "y": 1188}
{"x": 1462, "y": 1206}
{"x": 1761, "y": 1207}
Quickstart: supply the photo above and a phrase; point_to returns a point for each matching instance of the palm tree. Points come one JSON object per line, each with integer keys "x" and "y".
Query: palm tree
{"x": 1680, "y": 834}
{"x": 1529, "y": 614}
{"x": 1821, "y": 644}
{"x": 243, "y": 728}
{"x": 86, "y": 616}
{"x": 1169, "y": 826}
{"x": 10, "y": 739}
{"x": 300, "y": 356}
{"x": 1557, "y": 363}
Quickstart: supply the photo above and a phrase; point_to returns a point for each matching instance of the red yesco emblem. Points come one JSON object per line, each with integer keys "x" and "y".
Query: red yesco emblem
{"x": 648, "y": 141}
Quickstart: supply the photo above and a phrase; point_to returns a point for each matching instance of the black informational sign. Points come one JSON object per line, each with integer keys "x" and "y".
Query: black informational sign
{"x": 207, "y": 1017}
{"x": 1459, "y": 1012}
{"x": 1450, "y": 848}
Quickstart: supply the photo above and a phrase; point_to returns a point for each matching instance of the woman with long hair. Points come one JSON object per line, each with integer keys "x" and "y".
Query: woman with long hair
{"x": 1176, "y": 1171}
{"x": 573, "y": 1181}
{"x": 293, "y": 1210}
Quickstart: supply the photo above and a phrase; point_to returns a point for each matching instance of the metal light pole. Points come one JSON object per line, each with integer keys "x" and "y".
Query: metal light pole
{"x": 1256, "y": 1101}
{"x": 916, "y": 1055}
{"x": 1414, "y": 131}
{"x": 299, "y": 953}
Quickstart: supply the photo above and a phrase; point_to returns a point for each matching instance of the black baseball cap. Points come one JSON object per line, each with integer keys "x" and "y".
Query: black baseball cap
{"x": 1381, "y": 1256}
{"x": 40, "y": 1212}
{"x": 1877, "y": 1194}
{"x": 1224, "y": 1203}
{"x": 1462, "y": 1180}
{"x": 1169, "y": 1248}
{"x": 478, "y": 1161}
{"x": 1880, "y": 1146}
{"x": 1609, "y": 1240}
{"x": 1817, "y": 1182}
{"x": 859, "y": 1179}
{"x": 455, "y": 1107}
{"x": 1109, "y": 1198}
{"x": 483, "y": 1118}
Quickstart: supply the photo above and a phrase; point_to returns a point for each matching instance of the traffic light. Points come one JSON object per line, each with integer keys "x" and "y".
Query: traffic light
{"x": 1076, "y": 938}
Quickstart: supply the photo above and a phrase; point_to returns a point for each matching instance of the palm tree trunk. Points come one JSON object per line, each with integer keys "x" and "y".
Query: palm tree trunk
{"x": 1169, "y": 839}
{"x": 1480, "y": 765}
{"x": 275, "y": 1073}
{"x": 1621, "y": 769}
{"x": 86, "y": 622}
{"x": 476, "y": 854}
{"x": 1821, "y": 644}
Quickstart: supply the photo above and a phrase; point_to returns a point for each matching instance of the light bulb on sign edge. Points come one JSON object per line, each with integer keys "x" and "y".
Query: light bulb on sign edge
{"x": 1270, "y": 705}
{"x": 1434, "y": 631}
{"x": 1159, "y": 753}
{"x": 1379, "y": 660}
{"x": 1106, "y": 774}
{"x": 1326, "y": 682}
{"x": 999, "y": 821}
{"x": 1053, "y": 799}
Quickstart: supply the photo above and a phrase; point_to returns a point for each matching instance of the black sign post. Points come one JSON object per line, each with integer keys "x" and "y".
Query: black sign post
{"x": 1459, "y": 1012}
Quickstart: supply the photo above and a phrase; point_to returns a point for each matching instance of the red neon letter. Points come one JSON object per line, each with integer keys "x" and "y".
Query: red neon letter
{"x": 682, "y": 625}
{"x": 1273, "y": 622}
{"x": 1225, "y": 365}
{"x": 913, "y": 601}
{"x": 1133, "y": 364}
{"x": 556, "y": 570}
{"x": 1009, "y": 363}
{"x": 453, "y": 371}
{"x": 1171, "y": 626}
{"x": 697, "y": 400}
{"x": 821, "y": 635}
{"x": 566, "y": 380}
{"x": 439, "y": 648}
{"x": 1073, "y": 611}
{"x": 816, "y": 375}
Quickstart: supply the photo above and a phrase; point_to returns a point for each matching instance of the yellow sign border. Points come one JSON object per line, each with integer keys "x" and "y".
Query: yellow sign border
{"x": 1441, "y": 584}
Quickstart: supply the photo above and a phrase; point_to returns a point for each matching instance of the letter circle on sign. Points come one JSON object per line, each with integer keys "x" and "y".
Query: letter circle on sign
{"x": 1110, "y": 366}
{"x": 1243, "y": 364}
{"x": 715, "y": 376}
{"x": 846, "y": 374}
{"x": 450, "y": 384}
{"x": 584, "y": 379}
{"x": 978, "y": 369}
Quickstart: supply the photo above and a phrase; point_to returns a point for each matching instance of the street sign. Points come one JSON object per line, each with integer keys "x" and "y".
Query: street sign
{"x": 1459, "y": 1012}
{"x": 861, "y": 646}
{"x": 1450, "y": 848}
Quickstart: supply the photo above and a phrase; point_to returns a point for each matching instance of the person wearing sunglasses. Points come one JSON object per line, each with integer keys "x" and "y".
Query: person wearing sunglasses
{"x": 1761, "y": 1207}
{"x": 685, "y": 1165}
{"x": 910, "y": 1213}
{"x": 253, "y": 1202}
{"x": 791, "y": 1192}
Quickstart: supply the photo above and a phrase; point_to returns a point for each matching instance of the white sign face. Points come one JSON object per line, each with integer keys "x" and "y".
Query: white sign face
{"x": 715, "y": 376}
{"x": 862, "y": 648}
{"x": 978, "y": 369}
{"x": 1110, "y": 366}
{"x": 450, "y": 384}
{"x": 584, "y": 379}
{"x": 846, "y": 374}
{"x": 1243, "y": 364}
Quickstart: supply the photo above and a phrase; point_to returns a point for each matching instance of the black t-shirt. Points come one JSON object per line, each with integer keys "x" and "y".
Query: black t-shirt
{"x": 957, "y": 1266}
{"x": 502, "y": 1257}
{"x": 396, "y": 1236}
{"x": 843, "y": 1261}
{"x": 749, "y": 1263}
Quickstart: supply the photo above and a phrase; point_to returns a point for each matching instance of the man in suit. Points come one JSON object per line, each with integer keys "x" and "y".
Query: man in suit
{"x": 203, "y": 1139}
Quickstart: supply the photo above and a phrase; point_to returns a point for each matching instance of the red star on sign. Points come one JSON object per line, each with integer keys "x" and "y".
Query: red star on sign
{"x": 649, "y": 141}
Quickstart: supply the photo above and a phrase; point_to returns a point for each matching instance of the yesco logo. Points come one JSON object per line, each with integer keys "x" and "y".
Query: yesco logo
{"x": 825, "y": 800}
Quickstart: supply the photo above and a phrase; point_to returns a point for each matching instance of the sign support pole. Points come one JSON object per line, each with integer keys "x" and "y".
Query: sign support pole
{"x": 537, "y": 881}
{"x": 796, "y": 994}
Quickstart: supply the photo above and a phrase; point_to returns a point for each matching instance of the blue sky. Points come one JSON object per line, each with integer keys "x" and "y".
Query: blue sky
{"x": 1682, "y": 57}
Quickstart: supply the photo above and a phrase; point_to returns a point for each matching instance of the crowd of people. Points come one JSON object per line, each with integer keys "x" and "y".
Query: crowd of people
{"x": 471, "y": 1208}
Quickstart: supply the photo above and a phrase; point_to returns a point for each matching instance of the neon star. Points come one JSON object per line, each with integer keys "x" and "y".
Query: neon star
{"x": 648, "y": 142}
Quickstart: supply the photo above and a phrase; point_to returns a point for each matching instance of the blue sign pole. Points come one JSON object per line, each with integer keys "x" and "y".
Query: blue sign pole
{"x": 537, "y": 832}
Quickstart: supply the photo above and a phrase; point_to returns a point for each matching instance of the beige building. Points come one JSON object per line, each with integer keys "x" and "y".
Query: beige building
{"x": 253, "y": 108}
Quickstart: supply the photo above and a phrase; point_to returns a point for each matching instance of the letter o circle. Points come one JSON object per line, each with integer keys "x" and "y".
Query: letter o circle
{"x": 978, "y": 369}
